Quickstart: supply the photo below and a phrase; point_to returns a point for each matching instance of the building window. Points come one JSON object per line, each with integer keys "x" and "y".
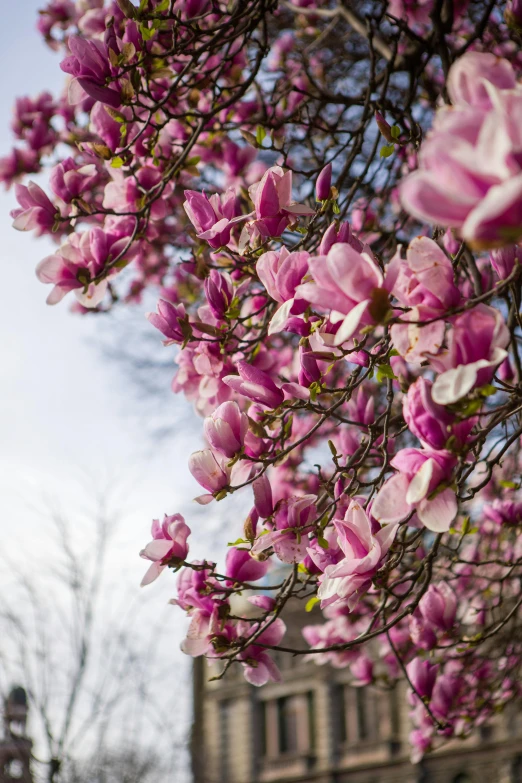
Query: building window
{"x": 288, "y": 725}
{"x": 462, "y": 777}
{"x": 224, "y": 740}
{"x": 357, "y": 715}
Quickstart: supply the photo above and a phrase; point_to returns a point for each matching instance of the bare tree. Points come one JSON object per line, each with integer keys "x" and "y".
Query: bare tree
{"x": 87, "y": 656}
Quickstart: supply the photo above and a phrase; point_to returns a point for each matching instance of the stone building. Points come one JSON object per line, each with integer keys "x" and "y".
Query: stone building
{"x": 315, "y": 728}
{"x": 15, "y": 745}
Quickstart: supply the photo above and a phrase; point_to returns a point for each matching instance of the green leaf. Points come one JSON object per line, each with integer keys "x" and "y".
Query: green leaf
{"x": 115, "y": 114}
{"x": 508, "y": 484}
{"x": 487, "y": 390}
{"x": 117, "y": 162}
{"x": 385, "y": 371}
{"x": 260, "y": 134}
{"x": 311, "y": 603}
{"x": 146, "y": 32}
{"x": 331, "y": 446}
{"x": 323, "y": 543}
{"x": 395, "y": 131}
{"x": 387, "y": 150}
{"x": 335, "y": 208}
{"x": 238, "y": 541}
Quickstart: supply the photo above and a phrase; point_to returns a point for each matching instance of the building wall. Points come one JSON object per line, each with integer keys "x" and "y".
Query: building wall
{"x": 315, "y": 727}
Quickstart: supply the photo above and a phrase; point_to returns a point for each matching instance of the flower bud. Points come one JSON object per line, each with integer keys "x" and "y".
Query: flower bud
{"x": 323, "y": 183}
{"x": 220, "y": 292}
{"x": 422, "y": 675}
{"x": 427, "y": 420}
{"x": 439, "y": 606}
{"x": 207, "y": 471}
{"x": 255, "y": 384}
{"x": 226, "y": 428}
{"x": 384, "y": 127}
{"x": 263, "y": 496}
{"x": 169, "y": 320}
{"x": 241, "y": 566}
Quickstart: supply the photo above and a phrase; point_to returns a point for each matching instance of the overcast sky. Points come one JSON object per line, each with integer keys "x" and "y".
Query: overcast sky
{"x": 67, "y": 411}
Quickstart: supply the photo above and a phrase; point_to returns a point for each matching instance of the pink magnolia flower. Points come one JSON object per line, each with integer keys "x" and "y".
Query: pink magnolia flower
{"x": 281, "y": 273}
{"x": 289, "y": 539}
{"x": 348, "y": 284}
{"x": 504, "y": 259}
{"x": 226, "y": 429}
{"x": 263, "y": 496}
{"x": 168, "y": 545}
{"x": 364, "y": 552}
{"x": 339, "y": 232}
{"x": 68, "y": 181}
{"x": 255, "y": 384}
{"x": 476, "y": 346}
{"x": 208, "y": 470}
{"x": 424, "y": 278}
{"x": 470, "y": 76}
{"x": 171, "y": 320}
{"x": 18, "y": 163}
{"x": 420, "y": 473}
{"x": 75, "y": 265}
{"x": 470, "y": 172}
{"x": 423, "y": 675}
{"x": 504, "y": 512}
{"x": 433, "y": 424}
{"x": 36, "y": 210}
{"x": 274, "y": 209}
{"x": 90, "y": 66}
{"x": 219, "y": 291}
{"x": 438, "y": 606}
{"x": 258, "y": 667}
{"x": 214, "y": 217}
{"x": 240, "y": 566}
{"x": 424, "y": 282}
{"x": 323, "y": 183}
{"x": 195, "y": 598}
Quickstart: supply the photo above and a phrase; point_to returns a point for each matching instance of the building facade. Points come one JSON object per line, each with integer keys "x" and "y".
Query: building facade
{"x": 15, "y": 745}
{"x": 314, "y": 727}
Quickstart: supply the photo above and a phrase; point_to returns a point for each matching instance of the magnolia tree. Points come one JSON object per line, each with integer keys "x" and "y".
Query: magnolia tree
{"x": 326, "y": 196}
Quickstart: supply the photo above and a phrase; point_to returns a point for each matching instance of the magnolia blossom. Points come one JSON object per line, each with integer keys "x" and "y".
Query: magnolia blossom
{"x": 255, "y": 384}
{"x": 36, "y": 210}
{"x": 350, "y": 285}
{"x": 226, "y": 429}
{"x": 281, "y": 273}
{"x": 78, "y": 262}
{"x": 171, "y": 320}
{"x": 90, "y": 65}
{"x": 242, "y": 567}
{"x": 274, "y": 209}
{"x": 292, "y": 520}
{"x": 438, "y": 606}
{"x": 420, "y": 473}
{"x": 432, "y": 423}
{"x": 423, "y": 281}
{"x": 476, "y": 346}
{"x": 470, "y": 174}
{"x": 168, "y": 545}
{"x": 259, "y": 667}
{"x": 214, "y": 217}
{"x": 363, "y": 554}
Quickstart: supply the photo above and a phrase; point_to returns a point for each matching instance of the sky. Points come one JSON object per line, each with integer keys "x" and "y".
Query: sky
{"x": 71, "y": 420}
